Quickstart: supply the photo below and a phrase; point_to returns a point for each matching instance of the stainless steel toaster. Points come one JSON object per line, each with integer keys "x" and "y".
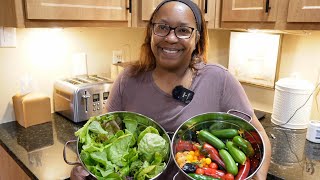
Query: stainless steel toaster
{"x": 81, "y": 97}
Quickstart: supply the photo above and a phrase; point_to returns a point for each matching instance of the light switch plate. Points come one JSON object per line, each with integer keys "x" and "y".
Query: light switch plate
{"x": 7, "y": 37}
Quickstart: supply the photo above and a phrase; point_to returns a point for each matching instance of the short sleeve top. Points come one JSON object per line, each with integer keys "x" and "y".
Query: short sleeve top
{"x": 215, "y": 90}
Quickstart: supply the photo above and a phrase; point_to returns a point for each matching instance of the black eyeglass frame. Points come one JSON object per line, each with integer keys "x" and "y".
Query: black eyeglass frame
{"x": 171, "y": 28}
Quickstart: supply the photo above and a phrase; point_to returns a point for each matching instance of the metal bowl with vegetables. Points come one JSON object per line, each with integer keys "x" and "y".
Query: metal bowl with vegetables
{"x": 122, "y": 145}
{"x": 217, "y": 146}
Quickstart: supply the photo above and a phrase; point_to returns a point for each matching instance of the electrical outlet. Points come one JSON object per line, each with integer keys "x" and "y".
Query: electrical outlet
{"x": 117, "y": 56}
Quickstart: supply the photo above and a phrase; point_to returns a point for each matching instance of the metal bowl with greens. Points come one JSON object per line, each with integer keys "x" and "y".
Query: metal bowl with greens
{"x": 123, "y": 145}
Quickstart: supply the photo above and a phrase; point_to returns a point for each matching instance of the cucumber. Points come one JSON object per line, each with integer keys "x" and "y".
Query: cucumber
{"x": 231, "y": 165}
{"x": 211, "y": 139}
{"x": 201, "y": 177}
{"x": 224, "y": 133}
{"x": 244, "y": 145}
{"x": 236, "y": 153}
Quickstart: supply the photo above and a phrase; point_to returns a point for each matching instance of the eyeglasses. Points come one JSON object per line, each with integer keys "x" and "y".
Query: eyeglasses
{"x": 162, "y": 30}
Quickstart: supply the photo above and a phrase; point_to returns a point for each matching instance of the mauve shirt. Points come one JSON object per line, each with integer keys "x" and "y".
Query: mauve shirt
{"x": 215, "y": 90}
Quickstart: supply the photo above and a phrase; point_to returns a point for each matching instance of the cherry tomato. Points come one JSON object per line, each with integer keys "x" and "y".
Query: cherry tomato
{"x": 227, "y": 176}
{"x": 199, "y": 171}
{"x": 213, "y": 165}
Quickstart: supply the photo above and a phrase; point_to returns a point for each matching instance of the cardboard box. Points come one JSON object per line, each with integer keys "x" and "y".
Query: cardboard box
{"x": 31, "y": 109}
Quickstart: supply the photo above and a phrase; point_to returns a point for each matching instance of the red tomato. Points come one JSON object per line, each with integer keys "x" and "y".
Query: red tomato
{"x": 199, "y": 171}
{"x": 184, "y": 146}
{"x": 213, "y": 165}
{"x": 227, "y": 176}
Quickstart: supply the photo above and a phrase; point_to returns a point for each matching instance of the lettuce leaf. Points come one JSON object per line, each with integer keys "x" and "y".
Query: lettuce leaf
{"x": 118, "y": 149}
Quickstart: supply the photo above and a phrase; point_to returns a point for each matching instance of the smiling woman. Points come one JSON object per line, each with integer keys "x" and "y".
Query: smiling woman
{"x": 171, "y": 82}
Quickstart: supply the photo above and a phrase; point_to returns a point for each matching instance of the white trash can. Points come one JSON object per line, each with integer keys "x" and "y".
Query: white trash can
{"x": 291, "y": 94}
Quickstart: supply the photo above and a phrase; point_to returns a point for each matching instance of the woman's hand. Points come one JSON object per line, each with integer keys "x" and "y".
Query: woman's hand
{"x": 78, "y": 173}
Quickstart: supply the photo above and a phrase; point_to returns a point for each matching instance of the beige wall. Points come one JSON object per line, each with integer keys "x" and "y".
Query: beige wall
{"x": 45, "y": 55}
{"x": 300, "y": 54}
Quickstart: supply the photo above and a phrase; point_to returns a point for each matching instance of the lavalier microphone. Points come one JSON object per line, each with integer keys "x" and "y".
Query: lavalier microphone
{"x": 182, "y": 94}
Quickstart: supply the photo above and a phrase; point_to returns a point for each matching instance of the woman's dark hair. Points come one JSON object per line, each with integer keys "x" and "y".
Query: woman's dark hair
{"x": 147, "y": 61}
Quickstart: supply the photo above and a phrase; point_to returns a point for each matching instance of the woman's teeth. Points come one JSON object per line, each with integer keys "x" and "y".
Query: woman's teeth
{"x": 170, "y": 51}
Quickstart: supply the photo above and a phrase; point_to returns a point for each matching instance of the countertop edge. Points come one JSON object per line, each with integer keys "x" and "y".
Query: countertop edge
{"x": 16, "y": 159}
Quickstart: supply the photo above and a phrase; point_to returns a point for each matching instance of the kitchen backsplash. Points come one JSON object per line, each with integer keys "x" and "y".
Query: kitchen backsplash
{"x": 43, "y": 55}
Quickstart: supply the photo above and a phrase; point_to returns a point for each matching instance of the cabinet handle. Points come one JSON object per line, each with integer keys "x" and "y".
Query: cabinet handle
{"x": 130, "y": 6}
{"x": 268, "y": 6}
{"x": 206, "y": 6}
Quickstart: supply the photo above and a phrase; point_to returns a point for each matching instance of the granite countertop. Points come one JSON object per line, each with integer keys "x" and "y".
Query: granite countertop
{"x": 39, "y": 149}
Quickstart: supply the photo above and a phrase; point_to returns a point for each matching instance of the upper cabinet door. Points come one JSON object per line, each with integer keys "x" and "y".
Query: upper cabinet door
{"x": 115, "y": 10}
{"x": 250, "y": 11}
{"x": 304, "y": 11}
{"x": 148, "y": 6}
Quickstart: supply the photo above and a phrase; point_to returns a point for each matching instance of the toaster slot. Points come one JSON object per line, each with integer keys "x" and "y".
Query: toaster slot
{"x": 86, "y": 97}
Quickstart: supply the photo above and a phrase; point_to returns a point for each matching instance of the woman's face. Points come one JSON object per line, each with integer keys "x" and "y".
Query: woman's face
{"x": 171, "y": 52}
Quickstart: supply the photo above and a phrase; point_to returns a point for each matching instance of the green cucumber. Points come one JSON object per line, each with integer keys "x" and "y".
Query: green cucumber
{"x": 244, "y": 145}
{"x": 211, "y": 139}
{"x": 231, "y": 165}
{"x": 225, "y": 133}
{"x": 236, "y": 153}
{"x": 201, "y": 177}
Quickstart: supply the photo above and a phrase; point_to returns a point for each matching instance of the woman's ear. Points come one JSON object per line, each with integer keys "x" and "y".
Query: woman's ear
{"x": 197, "y": 37}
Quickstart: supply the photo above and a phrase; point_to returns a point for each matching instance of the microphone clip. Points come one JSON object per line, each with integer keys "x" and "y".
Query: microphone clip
{"x": 182, "y": 94}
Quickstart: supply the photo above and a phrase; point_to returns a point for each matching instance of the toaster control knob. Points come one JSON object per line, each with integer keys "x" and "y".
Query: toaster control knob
{"x": 94, "y": 109}
{"x": 98, "y": 104}
{"x": 94, "y": 104}
{"x": 98, "y": 108}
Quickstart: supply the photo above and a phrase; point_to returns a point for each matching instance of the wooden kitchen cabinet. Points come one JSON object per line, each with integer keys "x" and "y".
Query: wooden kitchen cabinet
{"x": 304, "y": 11}
{"x": 249, "y": 11}
{"x": 65, "y": 13}
{"x": 281, "y": 14}
{"x": 142, "y": 10}
{"x": 9, "y": 168}
{"x": 76, "y": 10}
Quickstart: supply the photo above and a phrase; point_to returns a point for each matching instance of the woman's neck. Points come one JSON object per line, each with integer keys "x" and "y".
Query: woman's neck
{"x": 167, "y": 80}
